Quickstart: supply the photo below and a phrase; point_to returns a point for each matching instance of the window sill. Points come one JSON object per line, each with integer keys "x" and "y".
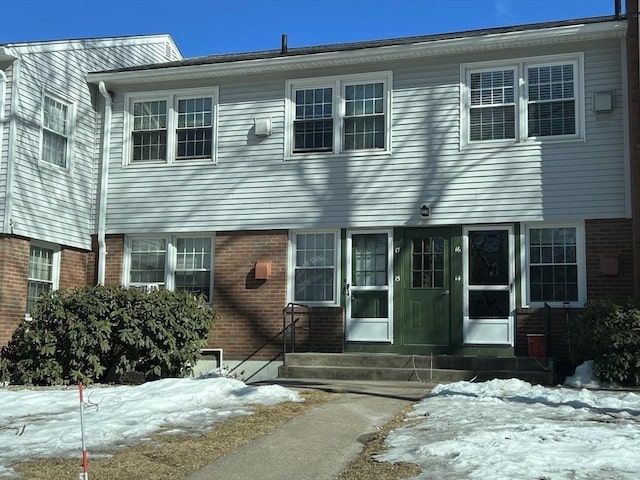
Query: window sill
{"x": 177, "y": 163}
{"x": 540, "y": 305}
{"x": 534, "y": 141}
{"x": 331, "y": 155}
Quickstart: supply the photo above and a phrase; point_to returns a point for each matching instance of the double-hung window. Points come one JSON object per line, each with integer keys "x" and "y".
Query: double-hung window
{"x": 339, "y": 114}
{"x": 174, "y": 263}
{"x": 555, "y": 256}
{"x": 56, "y": 130}
{"x": 172, "y": 127}
{"x": 314, "y": 267}
{"x": 519, "y": 101}
{"x": 43, "y": 272}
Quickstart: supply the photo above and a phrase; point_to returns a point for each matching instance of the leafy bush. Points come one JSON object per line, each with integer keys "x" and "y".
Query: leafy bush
{"x": 98, "y": 333}
{"x": 608, "y": 333}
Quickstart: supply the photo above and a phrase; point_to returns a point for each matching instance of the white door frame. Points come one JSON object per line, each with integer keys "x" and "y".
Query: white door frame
{"x": 498, "y": 331}
{"x": 368, "y": 329}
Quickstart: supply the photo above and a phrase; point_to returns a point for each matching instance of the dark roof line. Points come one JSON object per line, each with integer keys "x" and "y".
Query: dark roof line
{"x": 341, "y": 47}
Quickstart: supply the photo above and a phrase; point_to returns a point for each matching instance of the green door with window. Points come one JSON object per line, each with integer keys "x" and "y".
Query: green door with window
{"x": 424, "y": 281}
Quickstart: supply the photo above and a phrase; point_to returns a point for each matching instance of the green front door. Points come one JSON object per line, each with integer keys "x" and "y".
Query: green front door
{"x": 425, "y": 311}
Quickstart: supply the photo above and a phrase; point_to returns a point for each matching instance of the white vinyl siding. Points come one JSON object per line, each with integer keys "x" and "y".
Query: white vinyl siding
{"x": 255, "y": 186}
{"x": 336, "y": 115}
{"x": 170, "y": 127}
{"x": 50, "y": 203}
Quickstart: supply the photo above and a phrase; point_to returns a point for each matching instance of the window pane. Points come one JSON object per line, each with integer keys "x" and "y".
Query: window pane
{"x": 313, "y": 124}
{"x": 148, "y": 258}
{"x": 427, "y": 262}
{"x": 551, "y": 102}
{"x": 195, "y": 132}
{"x": 54, "y": 134}
{"x": 149, "y": 135}
{"x": 193, "y": 265}
{"x": 492, "y": 100}
{"x": 40, "y": 274}
{"x": 553, "y": 269}
{"x": 314, "y": 275}
{"x": 364, "y": 123}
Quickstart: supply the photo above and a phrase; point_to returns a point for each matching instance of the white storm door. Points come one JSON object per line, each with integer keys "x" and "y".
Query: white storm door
{"x": 368, "y": 286}
{"x": 489, "y": 293}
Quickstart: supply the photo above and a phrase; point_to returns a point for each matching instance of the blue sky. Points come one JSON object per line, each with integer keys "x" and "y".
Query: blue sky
{"x": 202, "y": 27}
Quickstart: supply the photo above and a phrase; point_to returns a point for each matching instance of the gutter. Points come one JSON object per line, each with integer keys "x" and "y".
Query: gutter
{"x": 8, "y": 225}
{"x": 334, "y": 58}
{"x": 104, "y": 182}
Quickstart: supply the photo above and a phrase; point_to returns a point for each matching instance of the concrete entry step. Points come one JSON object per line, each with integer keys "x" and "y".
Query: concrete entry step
{"x": 418, "y": 368}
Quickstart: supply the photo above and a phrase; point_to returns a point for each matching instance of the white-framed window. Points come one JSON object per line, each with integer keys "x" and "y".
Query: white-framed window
{"x": 526, "y": 100}
{"x": 57, "y": 128}
{"x": 173, "y": 262}
{"x": 338, "y": 115}
{"x": 171, "y": 127}
{"x": 314, "y": 267}
{"x": 44, "y": 271}
{"x": 555, "y": 270}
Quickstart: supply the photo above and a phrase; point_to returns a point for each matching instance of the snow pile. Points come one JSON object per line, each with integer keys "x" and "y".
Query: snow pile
{"x": 509, "y": 429}
{"x": 122, "y": 415}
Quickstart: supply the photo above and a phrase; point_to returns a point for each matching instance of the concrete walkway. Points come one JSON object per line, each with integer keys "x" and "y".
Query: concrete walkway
{"x": 320, "y": 443}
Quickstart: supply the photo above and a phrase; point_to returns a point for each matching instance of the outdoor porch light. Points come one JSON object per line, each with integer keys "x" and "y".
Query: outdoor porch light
{"x": 424, "y": 211}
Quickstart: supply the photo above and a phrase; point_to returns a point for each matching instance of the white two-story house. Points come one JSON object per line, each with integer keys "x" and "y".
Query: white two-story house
{"x": 423, "y": 194}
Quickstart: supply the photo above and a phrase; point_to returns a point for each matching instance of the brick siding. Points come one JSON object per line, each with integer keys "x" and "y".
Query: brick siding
{"x": 14, "y": 270}
{"x": 609, "y": 238}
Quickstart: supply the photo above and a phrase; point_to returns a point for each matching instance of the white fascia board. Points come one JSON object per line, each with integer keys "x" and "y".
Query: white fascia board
{"x": 469, "y": 44}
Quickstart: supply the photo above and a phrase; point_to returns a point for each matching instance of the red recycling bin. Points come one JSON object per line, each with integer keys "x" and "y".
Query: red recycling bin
{"x": 536, "y": 342}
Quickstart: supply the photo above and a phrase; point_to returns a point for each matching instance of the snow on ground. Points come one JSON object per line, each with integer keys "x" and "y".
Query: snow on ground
{"x": 509, "y": 429}
{"x": 502, "y": 429}
{"x": 122, "y": 415}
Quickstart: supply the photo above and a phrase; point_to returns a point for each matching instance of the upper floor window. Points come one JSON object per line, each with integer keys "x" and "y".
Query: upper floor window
{"x": 168, "y": 127}
{"x": 339, "y": 114}
{"x": 315, "y": 267}
{"x": 43, "y": 272}
{"x": 56, "y": 131}
{"x": 522, "y": 100}
{"x": 556, "y": 264}
{"x": 174, "y": 263}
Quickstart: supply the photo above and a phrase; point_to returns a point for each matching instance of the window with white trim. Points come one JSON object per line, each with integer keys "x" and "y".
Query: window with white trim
{"x": 44, "y": 264}
{"x": 315, "y": 267}
{"x": 519, "y": 101}
{"x": 172, "y": 127}
{"x": 555, "y": 264}
{"x": 334, "y": 115}
{"x": 176, "y": 263}
{"x": 56, "y": 130}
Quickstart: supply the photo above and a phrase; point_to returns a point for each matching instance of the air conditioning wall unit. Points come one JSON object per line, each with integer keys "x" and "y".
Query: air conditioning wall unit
{"x": 146, "y": 287}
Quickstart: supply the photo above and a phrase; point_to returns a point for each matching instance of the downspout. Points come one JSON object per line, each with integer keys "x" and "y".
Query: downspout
{"x": 8, "y": 225}
{"x": 3, "y": 88}
{"x": 104, "y": 182}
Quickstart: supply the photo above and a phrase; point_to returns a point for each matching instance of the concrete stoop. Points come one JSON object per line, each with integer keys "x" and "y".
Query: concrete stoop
{"x": 414, "y": 368}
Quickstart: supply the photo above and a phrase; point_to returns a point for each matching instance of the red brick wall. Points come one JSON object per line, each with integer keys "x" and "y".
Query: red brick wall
{"x": 609, "y": 238}
{"x": 250, "y": 310}
{"x": 76, "y": 268}
{"x": 115, "y": 254}
{"x": 14, "y": 270}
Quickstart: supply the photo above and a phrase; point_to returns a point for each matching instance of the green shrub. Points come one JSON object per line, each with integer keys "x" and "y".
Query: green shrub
{"x": 608, "y": 332}
{"x": 92, "y": 334}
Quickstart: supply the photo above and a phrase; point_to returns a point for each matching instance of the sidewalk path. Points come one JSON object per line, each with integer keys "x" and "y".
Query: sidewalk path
{"x": 318, "y": 444}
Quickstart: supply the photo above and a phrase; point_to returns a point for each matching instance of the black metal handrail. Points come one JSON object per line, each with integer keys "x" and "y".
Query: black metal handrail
{"x": 289, "y": 312}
